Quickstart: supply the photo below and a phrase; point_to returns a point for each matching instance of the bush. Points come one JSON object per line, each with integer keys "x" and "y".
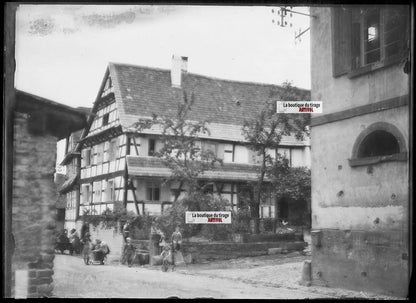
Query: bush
{"x": 241, "y": 221}
{"x": 175, "y": 216}
{"x": 140, "y": 225}
{"x": 268, "y": 224}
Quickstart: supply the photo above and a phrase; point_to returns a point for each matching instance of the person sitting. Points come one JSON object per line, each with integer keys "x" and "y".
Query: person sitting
{"x": 63, "y": 238}
{"x": 100, "y": 250}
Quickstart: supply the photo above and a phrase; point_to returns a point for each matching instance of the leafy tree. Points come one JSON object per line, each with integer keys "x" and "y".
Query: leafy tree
{"x": 290, "y": 182}
{"x": 181, "y": 150}
{"x": 264, "y": 133}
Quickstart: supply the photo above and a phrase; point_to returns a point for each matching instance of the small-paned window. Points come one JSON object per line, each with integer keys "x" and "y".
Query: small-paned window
{"x": 152, "y": 191}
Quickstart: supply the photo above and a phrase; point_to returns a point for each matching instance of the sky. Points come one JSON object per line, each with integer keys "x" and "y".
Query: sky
{"x": 62, "y": 51}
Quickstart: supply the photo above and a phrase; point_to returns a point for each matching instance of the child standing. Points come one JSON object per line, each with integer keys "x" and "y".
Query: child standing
{"x": 166, "y": 258}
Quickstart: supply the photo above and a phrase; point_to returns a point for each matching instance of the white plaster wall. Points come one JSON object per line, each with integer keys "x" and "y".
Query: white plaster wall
{"x": 366, "y": 196}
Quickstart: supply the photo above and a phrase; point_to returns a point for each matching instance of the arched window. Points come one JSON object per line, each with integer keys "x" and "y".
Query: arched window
{"x": 380, "y": 142}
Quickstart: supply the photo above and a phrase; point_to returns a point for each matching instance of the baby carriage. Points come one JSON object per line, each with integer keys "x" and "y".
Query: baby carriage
{"x": 97, "y": 254}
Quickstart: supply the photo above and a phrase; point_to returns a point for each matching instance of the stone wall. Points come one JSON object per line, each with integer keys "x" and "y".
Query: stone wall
{"x": 370, "y": 260}
{"x": 227, "y": 250}
{"x": 33, "y": 212}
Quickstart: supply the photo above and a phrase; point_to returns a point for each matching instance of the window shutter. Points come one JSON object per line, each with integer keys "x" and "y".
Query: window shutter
{"x": 341, "y": 41}
{"x": 99, "y": 153}
{"x": 355, "y": 45}
{"x": 83, "y": 158}
{"x": 84, "y": 194}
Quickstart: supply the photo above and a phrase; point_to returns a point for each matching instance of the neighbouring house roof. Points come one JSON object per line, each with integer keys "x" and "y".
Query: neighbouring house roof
{"x": 154, "y": 167}
{"x": 67, "y": 184}
{"x": 142, "y": 91}
{"x": 57, "y": 119}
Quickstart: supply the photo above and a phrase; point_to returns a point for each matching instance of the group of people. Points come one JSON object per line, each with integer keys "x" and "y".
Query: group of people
{"x": 98, "y": 249}
{"x": 71, "y": 242}
{"x": 168, "y": 250}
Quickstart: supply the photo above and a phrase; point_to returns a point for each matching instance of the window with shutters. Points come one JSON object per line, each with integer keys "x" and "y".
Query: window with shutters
{"x": 100, "y": 153}
{"x": 86, "y": 194}
{"x": 113, "y": 149}
{"x": 367, "y": 38}
{"x": 87, "y": 157}
{"x": 108, "y": 190}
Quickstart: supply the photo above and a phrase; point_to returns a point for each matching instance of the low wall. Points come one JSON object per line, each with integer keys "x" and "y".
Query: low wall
{"x": 250, "y": 238}
{"x": 229, "y": 250}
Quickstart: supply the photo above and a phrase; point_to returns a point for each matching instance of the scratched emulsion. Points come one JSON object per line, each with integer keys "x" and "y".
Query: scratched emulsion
{"x": 46, "y": 20}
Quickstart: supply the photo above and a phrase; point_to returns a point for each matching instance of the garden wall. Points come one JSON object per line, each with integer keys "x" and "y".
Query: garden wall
{"x": 227, "y": 250}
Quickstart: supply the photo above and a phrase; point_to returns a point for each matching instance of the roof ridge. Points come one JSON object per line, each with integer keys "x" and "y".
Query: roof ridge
{"x": 205, "y": 76}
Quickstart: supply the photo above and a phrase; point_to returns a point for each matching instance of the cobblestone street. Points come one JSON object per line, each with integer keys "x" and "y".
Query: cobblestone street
{"x": 267, "y": 277}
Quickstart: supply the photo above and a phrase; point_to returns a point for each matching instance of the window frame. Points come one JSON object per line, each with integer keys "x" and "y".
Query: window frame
{"x": 364, "y": 68}
{"x": 152, "y": 186}
{"x": 355, "y": 161}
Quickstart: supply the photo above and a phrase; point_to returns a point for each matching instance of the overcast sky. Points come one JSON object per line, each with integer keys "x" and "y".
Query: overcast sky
{"x": 62, "y": 51}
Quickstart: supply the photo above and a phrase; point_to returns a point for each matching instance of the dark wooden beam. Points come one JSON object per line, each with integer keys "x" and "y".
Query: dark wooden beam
{"x": 126, "y": 173}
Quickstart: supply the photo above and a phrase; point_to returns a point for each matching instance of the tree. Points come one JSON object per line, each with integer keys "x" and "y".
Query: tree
{"x": 181, "y": 151}
{"x": 289, "y": 182}
{"x": 264, "y": 132}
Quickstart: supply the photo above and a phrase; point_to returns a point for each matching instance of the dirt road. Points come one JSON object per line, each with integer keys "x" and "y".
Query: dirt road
{"x": 264, "y": 277}
{"x": 73, "y": 279}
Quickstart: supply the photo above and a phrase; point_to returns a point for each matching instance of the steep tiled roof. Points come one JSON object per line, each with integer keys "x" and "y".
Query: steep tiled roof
{"x": 143, "y": 91}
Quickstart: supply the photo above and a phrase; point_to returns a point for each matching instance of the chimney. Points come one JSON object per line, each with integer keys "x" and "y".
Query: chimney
{"x": 179, "y": 65}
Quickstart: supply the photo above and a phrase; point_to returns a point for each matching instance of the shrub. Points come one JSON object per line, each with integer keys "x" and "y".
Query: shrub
{"x": 241, "y": 221}
{"x": 140, "y": 225}
{"x": 175, "y": 216}
{"x": 268, "y": 224}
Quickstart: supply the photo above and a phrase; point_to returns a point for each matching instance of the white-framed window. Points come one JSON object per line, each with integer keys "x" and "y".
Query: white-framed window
{"x": 152, "y": 191}
{"x": 86, "y": 193}
{"x": 113, "y": 150}
{"x": 97, "y": 191}
{"x": 366, "y": 38}
{"x": 228, "y": 153}
{"x": 381, "y": 33}
{"x": 108, "y": 190}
